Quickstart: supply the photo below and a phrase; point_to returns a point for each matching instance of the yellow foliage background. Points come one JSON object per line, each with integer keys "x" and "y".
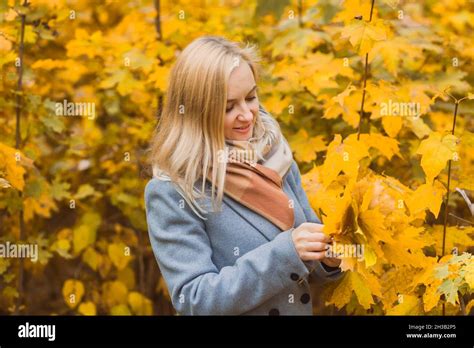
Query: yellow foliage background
{"x": 74, "y": 185}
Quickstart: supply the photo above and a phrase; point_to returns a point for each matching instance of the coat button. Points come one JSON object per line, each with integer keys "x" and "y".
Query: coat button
{"x": 305, "y": 298}
{"x": 294, "y": 276}
{"x": 274, "y": 311}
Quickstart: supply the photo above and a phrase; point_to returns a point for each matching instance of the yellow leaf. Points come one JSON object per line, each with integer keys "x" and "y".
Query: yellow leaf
{"x": 73, "y": 290}
{"x": 352, "y": 282}
{"x": 127, "y": 276}
{"x": 5, "y": 45}
{"x": 431, "y": 297}
{"x": 392, "y": 125}
{"x": 86, "y": 44}
{"x": 84, "y": 191}
{"x": 305, "y": 147}
{"x": 92, "y": 258}
{"x": 120, "y": 310}
{"x": 418, "y": 126}
{"x": 39, "y": 206}
{"x": 139, "y": 304}
{"x": 64, "y": 244}
{"x": 427, "y": 196}
{"x": 347, "y": 104}
{"x": 469, "y": 306}
{"x": 456, "y": 237}
{"x": 159, "y": 77}
{"x": 49, "y": 64}
{"x": 83, "y": 237}
{"x": 372, "y": 223}
{"x": 85, "y": 234}
{"x": 387, "y": 146}
{"x": 436, "y": 151}
{"x": 353, "y": 8}
{"x": 124, "y": 80}
{"x": 410, "y": 305}
{"x": 363, "y": 34}
{"x": 119, "y": 254}
{"x": 11, "y": 164}
{"x": 369, "y": 256}
{"x": 114, "y": 293}
{"x": 275, "y": 105}
{"x": 343, "y": 157}
{"x": 469, "y": 275}
{"x": 10, "y": 15}
{"x": 87, "y": 308}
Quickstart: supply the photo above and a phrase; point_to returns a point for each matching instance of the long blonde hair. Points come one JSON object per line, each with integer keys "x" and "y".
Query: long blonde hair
{"x": 190, "y": 133}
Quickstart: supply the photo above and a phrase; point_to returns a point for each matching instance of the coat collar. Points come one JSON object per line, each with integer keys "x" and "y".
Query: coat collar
{"x": 262, "y": 225}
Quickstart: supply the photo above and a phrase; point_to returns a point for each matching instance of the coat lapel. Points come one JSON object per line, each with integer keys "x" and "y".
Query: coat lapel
{"x": 262, "y": 225}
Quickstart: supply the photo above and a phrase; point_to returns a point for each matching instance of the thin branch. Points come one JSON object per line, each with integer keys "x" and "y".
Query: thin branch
{"x": 310, "y": 93}
{"x": 300, "y": 13}
{"x": 158, "y": 19}
{"x": 366, "y": 71}
{"x": 461, "y": 302}
{"x": 19, "y": 109}
{"x": 446, "y": 207}
{"x": 461, "y": 219}
{"x": 363, "y": 95}
{"x": 446, "y": 203}
{"x": 371, "y": 10}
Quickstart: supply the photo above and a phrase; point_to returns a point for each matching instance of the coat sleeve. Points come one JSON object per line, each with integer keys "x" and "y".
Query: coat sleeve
{"x": 184, "y": 255}
{"x": 324, "y": 272}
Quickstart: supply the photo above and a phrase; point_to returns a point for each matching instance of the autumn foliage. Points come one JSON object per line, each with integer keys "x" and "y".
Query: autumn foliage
{"x": 375, "y": 98}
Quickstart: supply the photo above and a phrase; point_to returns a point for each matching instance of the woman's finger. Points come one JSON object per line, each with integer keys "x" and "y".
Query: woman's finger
{"x": 316, "y": 246}
{"x": 314, "y": 227}
{"x": 313, "y": 256}
{"x": 318, "y": 237}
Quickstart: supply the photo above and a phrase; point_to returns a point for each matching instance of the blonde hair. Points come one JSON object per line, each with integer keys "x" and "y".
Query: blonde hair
{"x": 190, "y": 133}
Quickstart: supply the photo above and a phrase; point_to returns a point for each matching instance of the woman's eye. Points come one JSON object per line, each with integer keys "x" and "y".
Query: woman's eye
{"x": 228, "y": 109}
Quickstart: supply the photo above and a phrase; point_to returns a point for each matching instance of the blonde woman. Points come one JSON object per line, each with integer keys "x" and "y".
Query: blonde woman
{"x": 229, "y": 223}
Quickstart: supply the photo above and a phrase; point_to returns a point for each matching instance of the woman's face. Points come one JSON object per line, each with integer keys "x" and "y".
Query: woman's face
{"x": 242, "y": 103}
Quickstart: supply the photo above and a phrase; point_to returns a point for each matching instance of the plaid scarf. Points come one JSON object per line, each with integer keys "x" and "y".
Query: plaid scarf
{"x": 259, "y": 186}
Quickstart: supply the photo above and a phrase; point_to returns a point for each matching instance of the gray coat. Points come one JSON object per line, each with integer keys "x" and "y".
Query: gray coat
{"x": 236, "y": 261}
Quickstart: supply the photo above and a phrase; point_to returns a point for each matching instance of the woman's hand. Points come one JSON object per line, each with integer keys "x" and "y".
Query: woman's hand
{"x": 311, "y": 244}
{"x": 332, "y": 261}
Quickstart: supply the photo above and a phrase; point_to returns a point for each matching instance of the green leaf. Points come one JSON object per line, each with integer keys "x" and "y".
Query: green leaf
{"x": 274, "y": 7}
{"x": 53, "y": 122}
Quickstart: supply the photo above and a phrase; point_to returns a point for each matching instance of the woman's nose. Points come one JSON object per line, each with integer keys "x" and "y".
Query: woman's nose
{"x": 246, "y": 115}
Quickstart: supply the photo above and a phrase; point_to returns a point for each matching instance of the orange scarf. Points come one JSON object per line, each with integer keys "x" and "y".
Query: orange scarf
{"x": 259, "y": 186}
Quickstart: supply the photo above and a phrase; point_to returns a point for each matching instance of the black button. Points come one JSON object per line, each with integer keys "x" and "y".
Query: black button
{"x": 294, "y": 276}
{"x": 274, "y": 311}
{"x": 305, "y": 298}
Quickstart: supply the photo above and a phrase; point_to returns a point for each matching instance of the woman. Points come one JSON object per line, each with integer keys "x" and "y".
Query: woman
{"x": 230, "y": 225}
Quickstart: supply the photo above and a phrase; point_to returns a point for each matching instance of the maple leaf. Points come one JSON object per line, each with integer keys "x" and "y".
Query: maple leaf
{"x": 306, "y": 147}
{"x": 363, "y": 34}
{"x": 436, "y": 151}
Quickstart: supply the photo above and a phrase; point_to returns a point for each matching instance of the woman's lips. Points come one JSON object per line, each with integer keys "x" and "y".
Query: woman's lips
{"x": 243, "y": 130}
